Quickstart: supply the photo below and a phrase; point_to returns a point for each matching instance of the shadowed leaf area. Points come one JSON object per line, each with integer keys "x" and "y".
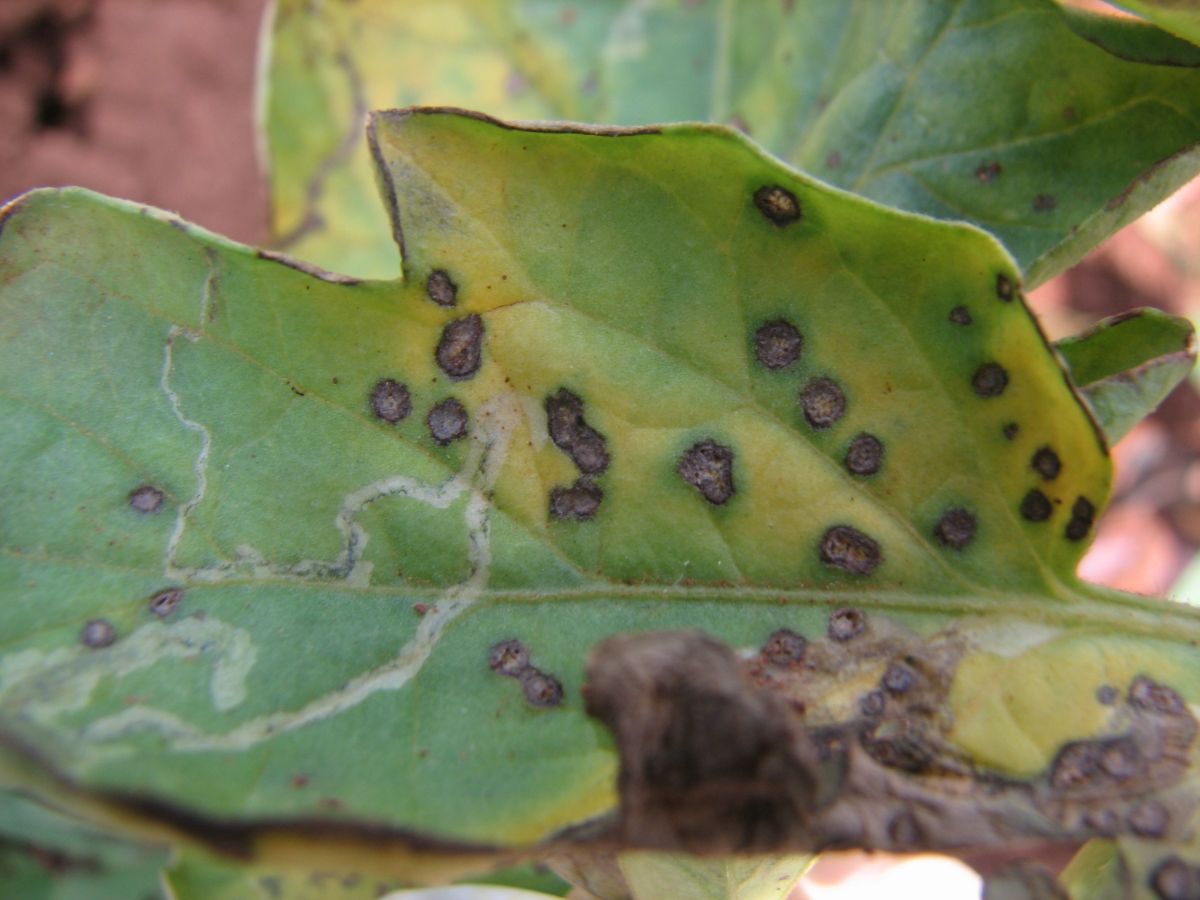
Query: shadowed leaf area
{"x": 312, "y": 572}
{"x": 1048, "y": 127}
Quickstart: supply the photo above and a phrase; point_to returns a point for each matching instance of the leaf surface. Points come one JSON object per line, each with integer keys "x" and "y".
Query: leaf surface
{"x": 1048, "y": 127}
{"x": 268, "y": 590}
{"x": 1180, "y": 17}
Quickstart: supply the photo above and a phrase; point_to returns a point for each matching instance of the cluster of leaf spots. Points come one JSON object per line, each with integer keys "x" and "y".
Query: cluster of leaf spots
{"x": 510, "y": 658}
{"x": 588, "y": 451}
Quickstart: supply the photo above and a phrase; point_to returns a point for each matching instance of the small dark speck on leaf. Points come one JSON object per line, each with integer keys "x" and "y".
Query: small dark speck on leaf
{"x": 865, "y": 455}
{"x": 1083, "y": 513}
{"x": 1004, "y": 288}
{"x": 988, "y": 172}
{"x": 990, "y": 380}
{"x": 541, "y": 689}
{"x": 846, "y": 623}
{"x": 708, "y": 467}
{"x": 778, "y": 344}
{"x": 578, "y": 503}
{"x": 850, "y": 550}
{"x": 1035, "y": 507}
{"x": 460, "y": 349}
{"x": 508, "y": 657}
{"x": 778, "y": 204}
{"x": 833, "y": 160}
{"x": 441, "y": 289}
{"x": 1149, "y": 819}
{"x": 784, "y": 647}
{"x": 1174, "y": 879}
{"x": 872, "y": 704}
{"x": 822, "y": 401}
{"x": 960, "y": 315}
{"x": 165, "y": 602}
{"x": 390, "y": 400}
{"x": 1106, "y": 694}
{"x": 447, "y": 421}
{"x": 898, "y": 678}
{"x": 1011, "y": 430}
{"x": 300, "y": 780}
{"x": 1046, "y": 463}
{"x": 956, "y": 528}
{"x": 146, "y": 499}
{"x": 420, "y": 608}
{"x": 98, "y": 633}
{"x": 1044, "y": 203}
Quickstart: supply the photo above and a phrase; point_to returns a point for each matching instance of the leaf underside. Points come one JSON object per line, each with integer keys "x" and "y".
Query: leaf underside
{"x": 268, "y": 589}
{"x": 1047, "y": 127}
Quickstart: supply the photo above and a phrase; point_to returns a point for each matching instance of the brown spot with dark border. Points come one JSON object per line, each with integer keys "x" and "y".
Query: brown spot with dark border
{"x": 508, "y": 657}
{"x": 1083, "y": 513}
{"x": 865, "y": 455}
{"x": 990, "y": 380}
{"x": 960, "y": 315}
{"x": 165, "y": 601}
{"x": 1044, "y": 203}
{"x": 846, "y": 623}
{"x": 441, "y": 288}
{"x": 1046, "y": 463}
{"x": 956, "y": 528}
{"x": 1036, "y": 507}
{"x": 1106, "y": 695}
{"x": 1174, "y": 879}
{"x": 1149, "y": 819}
{"x": 822, "y": 401}
{"x": 1004, "y": 288}
{"x": 898, "y": 678}
{"x": 460, "y": 349}
{"x": 850, "y": 550}
{"x": 571, "y": 433}
{"x": 708, "y": 467}
{"x": 97, "y": 633}
{"x": 778, "y": 344}
{"x": 390, "y": 400}
{"x": 1011, "y": 430}
{"x": 578, "y": 503}
{"x": 447, "y": 421}
{"x": 541, "y": 689}
{"x": 872, "y": 704}
{"x": 146, "y": 499}
{"x": 1146, "y": 693}
{"x": 778, "y": 204}
{"x": 784, "y": 647}
{"x": 988, "y": 172}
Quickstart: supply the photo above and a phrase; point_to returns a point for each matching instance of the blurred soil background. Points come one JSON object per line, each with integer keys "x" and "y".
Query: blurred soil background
{"x": 153, "y": 100}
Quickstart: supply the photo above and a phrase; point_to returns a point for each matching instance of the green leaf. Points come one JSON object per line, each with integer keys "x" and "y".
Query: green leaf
{"x": 46, "y": 854}
{"x": 263, "y": 594}
{"x": 1125, "y": 366}
{"x": 1181, "y": 18}
{"x": 1048, "y": 127}
{"x": 652, "y": 875}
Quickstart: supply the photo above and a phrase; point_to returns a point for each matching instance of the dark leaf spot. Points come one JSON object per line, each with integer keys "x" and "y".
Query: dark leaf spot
{"x": 577, "y": 503}
{"x": 1044, "y": 203}
{"x": 146, "y": 499}
{"x": 904, "y": 831}
{"x": 846, "y": 623}
{"x": 850, "y": 550}
{"x": 573, "y": 435}
{"x": 1036, "y": 506}
{"x": 1149, "y": 819}
{"x": 447, "y": 421}
{"x": 1106, "y": 694}
{"x": 1046, "y": 463}
{"x": 165, "y": 602}
{"x": 1103, "y": 821}
{"x": 784, "y": 647}
{"x": 1076, "y": 764}
{"x": 778, "y": 344}
{"x": 1147, "y": 694}
{"x": 460, "y": 349}
{"x": 1120, "y": 758}
{"x": 872, "y": 704}
{"x": 960, "y": 315}
{"x": 898, "y": 678}
{"x": 956, "y": 528}
{"x": 1174, "y": 879}
{"x": 778, "y": 204}
{"x": 865, "y": 455}
{"x": 541, "y": 689}
{"x": 1004, "y": 288}
{"x": 1010, "y": 431}
{"x": 822, "y": 401}
{"x": 833, "y": 160}
{"x": 708, "y": 467}
{"x": 990, "y": 380}
{"x": 97, "y": 633}
{"x": 988, "y": 172}
{"x": 898, "y": 749}
{"x": 300, "y": 780}
{"x": 390, "y": 400}
{"x": 441, "y": 289}
{"x": 508, "y": 657}
{"x": 1083, "y": 513}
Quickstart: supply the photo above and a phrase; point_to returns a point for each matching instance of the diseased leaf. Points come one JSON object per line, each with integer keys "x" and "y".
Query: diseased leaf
{"x": 47, "y": 855}
{"x": 305, "y": 570}
{"x": 692, "y": 878}
{"x": 1125, "y": 366}
{"x": 1181, "y": 17}
{"x": 1048, "y": 127}
{"x": 195, "y": 876}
